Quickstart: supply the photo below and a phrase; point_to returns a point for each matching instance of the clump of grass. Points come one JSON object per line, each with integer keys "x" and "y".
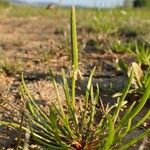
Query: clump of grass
{"x": 141, "y": 79}
{"x": 45, "y": 55}
{"x": 8, "y": 68}
{"x": 72, "y": 128}
{"x": 76, "y": 126}
{"x": 119, "y": 47}
{"x": 142, "y": 54}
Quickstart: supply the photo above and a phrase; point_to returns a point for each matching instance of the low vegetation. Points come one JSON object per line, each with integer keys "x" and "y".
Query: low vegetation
{"x": 141, "y": 3}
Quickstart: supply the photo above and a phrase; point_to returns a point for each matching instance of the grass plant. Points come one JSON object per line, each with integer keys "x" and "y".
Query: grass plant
{"x": 6, "y": 67}
{"x": 119, "y": 47}
{"x": 142, "y": 55}
{"x": 140, "y": 80}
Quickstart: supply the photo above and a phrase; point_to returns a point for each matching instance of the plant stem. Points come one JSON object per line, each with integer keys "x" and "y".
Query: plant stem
{"x": 74, "y": 46}
{"x": 74, "y": 50}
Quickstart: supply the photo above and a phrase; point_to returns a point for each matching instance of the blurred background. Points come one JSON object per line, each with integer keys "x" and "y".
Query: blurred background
{"x": 86, "y": 3}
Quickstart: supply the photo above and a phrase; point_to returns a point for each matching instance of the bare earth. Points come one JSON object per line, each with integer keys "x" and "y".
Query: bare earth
{"x": 35, "y": 45}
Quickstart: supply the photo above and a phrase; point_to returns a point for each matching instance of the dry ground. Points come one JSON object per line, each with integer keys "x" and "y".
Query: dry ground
{"x": 35, "y": 45}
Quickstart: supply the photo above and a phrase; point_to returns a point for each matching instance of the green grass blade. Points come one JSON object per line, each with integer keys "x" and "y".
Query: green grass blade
{"x": 91, "y": 122}
{"x": 142, "y": 102}
{"x": 124, "y": 119}
{"x": 13, "y": 125}
{"x": 20, "y": 131}
{"x": 58, "y": 96}
{"x": 29, "y": 105}
{"x": 141, "y": 121}
{"x": 111, "y": 135}
{"x": 93, "y": 103}
{"x": 125, "y": 146}
{"x": 54, "y": 126}
{"x": 66, "y": 123}
{"x": 26, "y": 92}
{"x": 127, "y": 129}
{"x": 86, "y": 99}
{"x": 88, "y": 88}
{"x": 72, "y": 112}
{"x": 42, "y": 127}
{"x": 60, "y": 112}
{"x": 147, "y": 81}
{"x": 91, "y": 117}
{"x": 122, "y": 98}
{"x": 17, "y": 126}
{"x": 46, "y": 143}
{"x": 66, "y": 90}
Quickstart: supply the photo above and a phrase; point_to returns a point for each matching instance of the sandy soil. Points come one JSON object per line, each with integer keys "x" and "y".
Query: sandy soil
{"x": 35, "y": 45}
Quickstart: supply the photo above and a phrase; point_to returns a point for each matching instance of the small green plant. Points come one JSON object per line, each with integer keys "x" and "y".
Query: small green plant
{"x": 7, "y": 67}
{"x": 140, "y": 80}
{"x": 142, "y": 55}
{"x": 119, "y": 47}
{"x": 70, "y": 128}
{"x": 45, "y": 55}
{"x": 139, "y": 51}
{"x": 76, "y": 126}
